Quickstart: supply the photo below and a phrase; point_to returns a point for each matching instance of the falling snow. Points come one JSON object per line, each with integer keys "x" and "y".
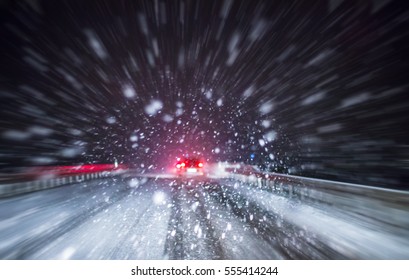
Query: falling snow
{"x": 129, "y": 91}
{"x": 253, "y": 90}
{"x": 153, "y": 107}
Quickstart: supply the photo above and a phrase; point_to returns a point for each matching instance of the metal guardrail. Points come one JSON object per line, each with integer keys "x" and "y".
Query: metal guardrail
{"x": 318, "y": 189}
{"x": 387, "y": 206}
{"x": 16, "y": 188}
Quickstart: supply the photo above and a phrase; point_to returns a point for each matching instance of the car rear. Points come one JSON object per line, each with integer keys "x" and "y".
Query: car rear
{"x": 189, "y": 166}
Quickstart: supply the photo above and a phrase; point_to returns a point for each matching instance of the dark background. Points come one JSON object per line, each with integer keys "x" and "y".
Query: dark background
{"x": 314, "y": 88}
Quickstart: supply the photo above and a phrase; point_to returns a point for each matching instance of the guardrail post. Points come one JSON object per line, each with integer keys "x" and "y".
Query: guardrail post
{"x": 259, "y": 184}
{"x": 79, "y": 178}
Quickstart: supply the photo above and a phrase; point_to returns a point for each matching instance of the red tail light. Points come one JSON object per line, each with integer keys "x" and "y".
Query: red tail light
{"x": 200, "y": 164}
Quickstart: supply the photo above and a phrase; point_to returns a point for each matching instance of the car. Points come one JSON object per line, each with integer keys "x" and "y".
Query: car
{"x": 189, "y": 165}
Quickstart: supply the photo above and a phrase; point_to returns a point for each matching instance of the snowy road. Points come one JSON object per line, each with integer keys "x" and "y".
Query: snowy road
{"x": 132, "y": 217}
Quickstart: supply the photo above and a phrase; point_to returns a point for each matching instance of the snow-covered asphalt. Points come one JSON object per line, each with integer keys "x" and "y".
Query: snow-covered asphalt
{"x": 134, "y": 217}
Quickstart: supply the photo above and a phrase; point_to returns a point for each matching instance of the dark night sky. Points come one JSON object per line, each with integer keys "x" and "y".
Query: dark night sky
{"x": 316, "y": 88}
